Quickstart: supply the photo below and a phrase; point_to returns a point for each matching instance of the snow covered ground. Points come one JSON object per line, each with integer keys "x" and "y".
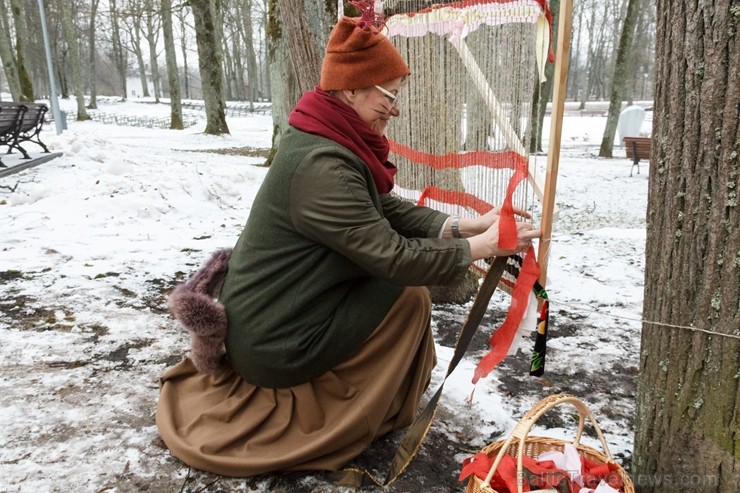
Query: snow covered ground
{"x": 92, "y": 241}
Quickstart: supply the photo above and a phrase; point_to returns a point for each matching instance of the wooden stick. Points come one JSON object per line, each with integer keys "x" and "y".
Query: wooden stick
{"x": 556, "y": 127}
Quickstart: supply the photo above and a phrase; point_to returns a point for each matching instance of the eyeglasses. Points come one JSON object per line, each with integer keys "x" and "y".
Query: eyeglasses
{"x": 393, "y": 98}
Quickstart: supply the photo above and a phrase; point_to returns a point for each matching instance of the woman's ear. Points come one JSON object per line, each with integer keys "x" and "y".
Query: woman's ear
{"x": 348, "y": 96}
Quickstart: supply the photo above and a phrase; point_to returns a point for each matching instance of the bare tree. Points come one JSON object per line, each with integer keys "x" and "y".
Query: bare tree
{"x": 93, "y": 104}
{"x": 543, "y": 92}
{"x": 119, "y": 56}
{"x": 153, "y": 25}
{"x": 688, "y": 404}
{"x": 132, "y": 22}
{"x": 621, "y": 76}
{"x": 70, "y": 36}
{"x": 211, "y": 71}
{"x": 21, "y": 34}
{"x": 171, "y": 59}
{"x": 182, "y": 12}
{"x": 253, "y": 77}
{"x": 6, "y": 54}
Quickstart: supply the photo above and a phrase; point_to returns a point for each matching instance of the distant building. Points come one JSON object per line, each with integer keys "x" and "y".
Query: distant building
{"x": 134, "y": 89}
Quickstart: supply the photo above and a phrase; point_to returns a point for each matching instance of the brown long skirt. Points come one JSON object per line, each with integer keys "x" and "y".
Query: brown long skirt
{"x": 222, "y": 424}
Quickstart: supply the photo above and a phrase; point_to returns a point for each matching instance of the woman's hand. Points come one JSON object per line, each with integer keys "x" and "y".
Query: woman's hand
{"x": 474, "y": 226}
{"x": 485, "y": 245}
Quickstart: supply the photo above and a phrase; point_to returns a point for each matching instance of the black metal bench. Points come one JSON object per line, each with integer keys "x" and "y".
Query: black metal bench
{"x": 20, "y": 123}
{"x": 637, "y": 148}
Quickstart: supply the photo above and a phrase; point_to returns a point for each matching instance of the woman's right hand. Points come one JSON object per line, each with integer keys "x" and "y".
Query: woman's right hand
{"x": 485, "y": 245}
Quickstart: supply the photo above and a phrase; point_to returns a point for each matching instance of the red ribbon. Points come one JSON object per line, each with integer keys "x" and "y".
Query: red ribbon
{"x": 503, "y": 337}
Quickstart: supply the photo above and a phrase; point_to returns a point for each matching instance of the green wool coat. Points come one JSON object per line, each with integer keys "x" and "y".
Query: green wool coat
{"x": 320, "y": 262}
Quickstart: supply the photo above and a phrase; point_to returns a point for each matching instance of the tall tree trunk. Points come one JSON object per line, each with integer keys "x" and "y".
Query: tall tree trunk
{"x": 240, "y": 89}
{"x": 152, "y": 37}
{"x": 253, "y": 76}
{"x": 621, "y": 76}
{"x": 119, "y": 57}
{"x": 267, "y": 82}
{"x": 688, "y": 403}
{"x": 229, "y": 71}
{"x": 184, "y": 49}
{"x": 211, "y": 73}
{"x": 136, "y": 49}
{"x": 217, "y": 8}
{"x": 574, "y": 73}
{"x": 303, "y": 51}
{"x": 591, "y": 27}
{"x": 93, "y": 104}
{"x": 543, "y": 92}
{"x": 70, "y": 35}
{"x": 21, "y": 34}
{"x": 171, "y": 60}
{"x": 282, "y": 77}
{"x": 6, "y": 55}
{"x": 289, "y": 48}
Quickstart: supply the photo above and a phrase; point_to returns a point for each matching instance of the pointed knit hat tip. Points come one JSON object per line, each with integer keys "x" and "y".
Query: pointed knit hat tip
{"x": 358, "y": 55}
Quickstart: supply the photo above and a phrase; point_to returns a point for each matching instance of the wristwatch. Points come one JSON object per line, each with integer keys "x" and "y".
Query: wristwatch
{"x": 455, "y": 227}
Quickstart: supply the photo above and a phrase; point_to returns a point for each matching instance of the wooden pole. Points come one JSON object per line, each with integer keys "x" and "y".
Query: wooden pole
{"x": 556, "y": 121}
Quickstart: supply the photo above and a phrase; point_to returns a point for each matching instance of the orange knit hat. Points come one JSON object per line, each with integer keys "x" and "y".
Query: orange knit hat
{"x": 357, "y": 56}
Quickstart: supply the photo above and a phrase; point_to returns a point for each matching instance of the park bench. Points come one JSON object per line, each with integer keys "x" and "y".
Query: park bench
{"x": 637, "y": 148}
{"x": 21, "y": 123}
{"x": 593, "y": 112}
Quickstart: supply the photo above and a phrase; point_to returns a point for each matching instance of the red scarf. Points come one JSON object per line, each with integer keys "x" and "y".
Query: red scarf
{"x": 320, "y": 113}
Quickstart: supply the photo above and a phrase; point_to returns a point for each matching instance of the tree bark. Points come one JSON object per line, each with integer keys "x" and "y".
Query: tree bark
{"x": 171, "y": 60}
{"x": 304, "y": 53}
{"x": 688, "y": 405}
{"x": 292, "y": 48}
{"x": 211, "y": 72}
{"x": 621, "y": 76}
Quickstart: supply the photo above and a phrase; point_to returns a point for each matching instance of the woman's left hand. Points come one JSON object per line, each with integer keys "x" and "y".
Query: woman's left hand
{"x": 477, "y": 225}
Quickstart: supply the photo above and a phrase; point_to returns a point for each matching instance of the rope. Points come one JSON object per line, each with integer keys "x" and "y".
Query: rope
{"x": 644, "y": 321}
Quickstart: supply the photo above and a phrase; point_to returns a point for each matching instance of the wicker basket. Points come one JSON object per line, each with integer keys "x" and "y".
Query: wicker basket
{"x": 533, "y": 446}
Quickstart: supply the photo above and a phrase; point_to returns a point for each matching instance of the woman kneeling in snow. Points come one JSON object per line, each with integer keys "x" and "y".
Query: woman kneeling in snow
{"x": 328, "y": 344}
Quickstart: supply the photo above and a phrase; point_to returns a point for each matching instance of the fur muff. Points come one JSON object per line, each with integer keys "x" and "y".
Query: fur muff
{"x": 194, "y": 304}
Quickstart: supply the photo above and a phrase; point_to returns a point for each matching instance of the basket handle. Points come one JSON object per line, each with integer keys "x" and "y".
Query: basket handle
{"x": 524, "y": 426}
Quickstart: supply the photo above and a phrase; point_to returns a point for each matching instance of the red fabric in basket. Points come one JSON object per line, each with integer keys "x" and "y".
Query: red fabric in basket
{"x": 546, "y": 475}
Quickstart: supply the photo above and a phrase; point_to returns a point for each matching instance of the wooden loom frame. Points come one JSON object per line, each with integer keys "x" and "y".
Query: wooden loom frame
{"x": 545, "y": 191}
